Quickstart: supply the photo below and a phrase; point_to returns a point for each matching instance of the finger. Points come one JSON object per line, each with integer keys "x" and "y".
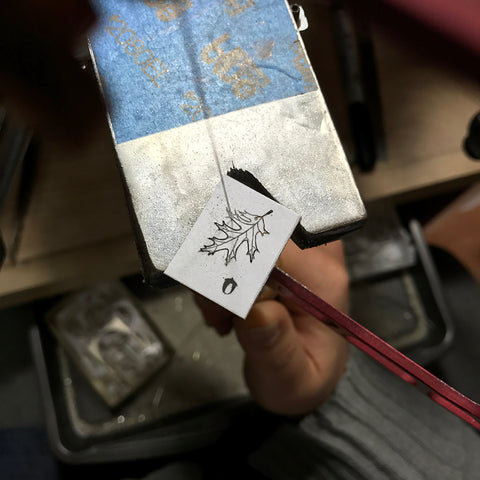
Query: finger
{"x": 221, "y": 319}
{"x": 214, "y": 315}
{"x": 321, "y": 268}
{"x": 277, "y": 370}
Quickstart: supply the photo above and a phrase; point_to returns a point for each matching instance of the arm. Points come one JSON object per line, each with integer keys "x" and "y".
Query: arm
{"x": 361, "y": 420}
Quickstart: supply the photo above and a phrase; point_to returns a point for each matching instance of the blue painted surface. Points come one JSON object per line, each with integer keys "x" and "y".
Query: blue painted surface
{"x": 262, "y": 34}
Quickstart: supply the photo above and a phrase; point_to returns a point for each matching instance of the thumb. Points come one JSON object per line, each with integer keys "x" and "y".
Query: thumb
{"x": 277, "y": 368}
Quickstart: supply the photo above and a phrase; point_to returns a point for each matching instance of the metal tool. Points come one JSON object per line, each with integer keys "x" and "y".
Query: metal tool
{"x": 14, "y": 143}
{"x": 354, "y": 62}
{"x": 439, "y": 391}
{"x": 472, "y": 141}
{"x": 195, "y": 82}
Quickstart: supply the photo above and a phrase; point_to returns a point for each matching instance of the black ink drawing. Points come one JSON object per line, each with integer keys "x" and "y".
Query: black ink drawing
{"x": 229, "y": 285}
{"x": 244, "y": 228}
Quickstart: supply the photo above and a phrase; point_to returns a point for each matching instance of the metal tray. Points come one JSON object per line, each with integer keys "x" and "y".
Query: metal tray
{"x": 186, "y": 406}
{"x": 406, "y": 307}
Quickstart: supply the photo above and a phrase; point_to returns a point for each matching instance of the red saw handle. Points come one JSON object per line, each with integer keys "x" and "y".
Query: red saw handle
{"x": 378, "y": 349}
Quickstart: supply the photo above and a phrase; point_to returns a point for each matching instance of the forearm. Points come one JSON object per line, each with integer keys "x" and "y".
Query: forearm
{"x": 374, "y": 426}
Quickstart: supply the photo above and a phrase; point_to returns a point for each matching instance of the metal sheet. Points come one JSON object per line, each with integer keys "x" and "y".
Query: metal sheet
{"x": 168, "y": 139}
{"x": 289, "y": 145}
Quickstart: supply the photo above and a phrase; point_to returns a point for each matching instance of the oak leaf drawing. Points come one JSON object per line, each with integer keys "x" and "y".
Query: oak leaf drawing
{"x": 242, "y": 227}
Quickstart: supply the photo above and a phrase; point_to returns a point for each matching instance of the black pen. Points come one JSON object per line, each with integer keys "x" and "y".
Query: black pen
{"x": 361, "y": 125}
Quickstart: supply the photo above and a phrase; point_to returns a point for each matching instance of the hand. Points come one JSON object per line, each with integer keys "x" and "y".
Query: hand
{"x": 292, "y": 361}
{"x": 40, "y": 79}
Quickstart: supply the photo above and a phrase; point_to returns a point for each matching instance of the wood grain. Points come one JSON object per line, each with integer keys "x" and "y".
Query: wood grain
{"x": 77, "y": 200}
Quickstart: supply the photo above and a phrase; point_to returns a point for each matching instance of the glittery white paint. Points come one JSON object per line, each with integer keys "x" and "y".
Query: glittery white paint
{"x": 289, "y": 145}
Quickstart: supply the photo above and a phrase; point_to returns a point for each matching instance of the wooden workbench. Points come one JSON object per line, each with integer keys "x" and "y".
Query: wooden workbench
{"x": 76, "y": 230}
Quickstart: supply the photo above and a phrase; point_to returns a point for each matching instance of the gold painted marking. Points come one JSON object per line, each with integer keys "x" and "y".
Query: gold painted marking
{"x": 236, "y": 7}
{"x": 168, "y": 10}
{"x": 152, "y": 67}
{"x": 235, "y": 68}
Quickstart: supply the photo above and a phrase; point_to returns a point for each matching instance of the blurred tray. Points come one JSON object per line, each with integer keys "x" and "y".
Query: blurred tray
{"x": 186, "y": 406}
{"x": 406, "y": 307}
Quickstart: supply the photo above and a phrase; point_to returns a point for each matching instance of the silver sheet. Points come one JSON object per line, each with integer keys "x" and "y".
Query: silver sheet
{"x": 289, "y": 145}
